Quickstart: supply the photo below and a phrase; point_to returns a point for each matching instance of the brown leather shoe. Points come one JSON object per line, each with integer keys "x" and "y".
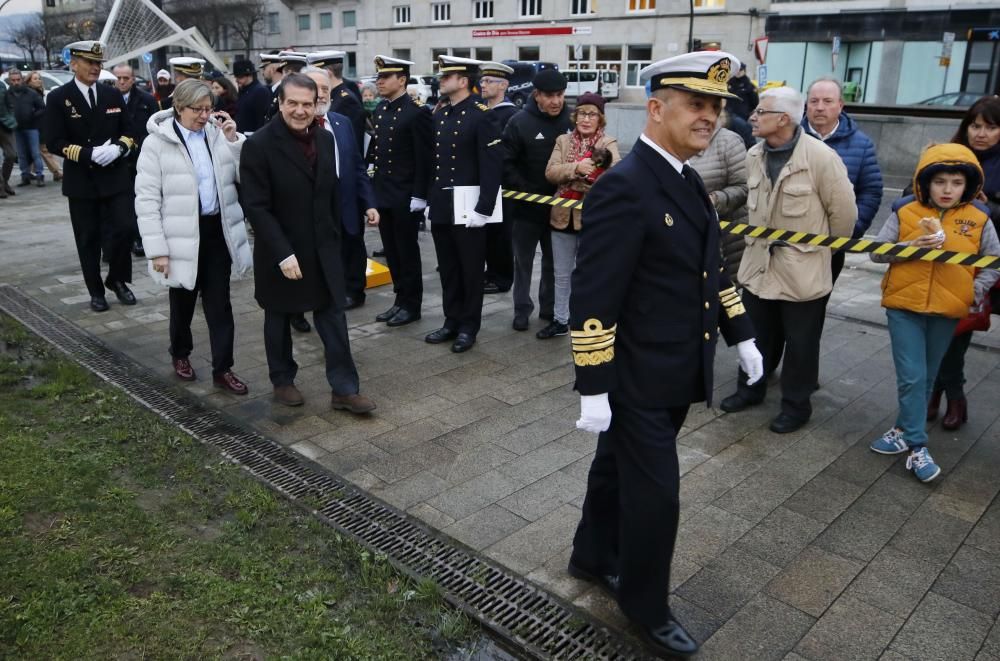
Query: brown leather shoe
{"x": 934, "y": 405}
{"x": 955, "y": 415}
{"x": 229, "y": 381}
{"x": 355, "y": 403}
{"x": 183, "y": 369}
{"x": 288, "y": 395}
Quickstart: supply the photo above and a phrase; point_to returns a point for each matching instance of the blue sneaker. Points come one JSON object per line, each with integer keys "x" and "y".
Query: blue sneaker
{"x": 890, "y": 442}
{"x": 922, "y": 465}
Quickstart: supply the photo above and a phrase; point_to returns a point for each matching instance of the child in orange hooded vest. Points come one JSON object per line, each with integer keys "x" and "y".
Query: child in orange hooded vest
{"x": 925, "y": 300}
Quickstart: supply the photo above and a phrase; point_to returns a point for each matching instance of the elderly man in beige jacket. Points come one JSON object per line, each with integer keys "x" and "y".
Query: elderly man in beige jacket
{"x": 794, "y": 182}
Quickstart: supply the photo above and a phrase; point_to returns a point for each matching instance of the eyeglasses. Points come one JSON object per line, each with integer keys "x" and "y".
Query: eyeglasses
{"x": 588, "y": 115}
{"x": 761, "y": 111}
{"x": 200, "y": 111}
{"x": 488, "y": 81}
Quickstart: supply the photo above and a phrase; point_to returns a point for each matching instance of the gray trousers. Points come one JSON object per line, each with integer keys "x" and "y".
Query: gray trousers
{"x": 527, "y": 236}
{"x": 564, "y": 261}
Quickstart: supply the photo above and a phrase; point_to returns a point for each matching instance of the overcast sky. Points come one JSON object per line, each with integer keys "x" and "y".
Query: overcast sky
{"x": 22, "y": 7}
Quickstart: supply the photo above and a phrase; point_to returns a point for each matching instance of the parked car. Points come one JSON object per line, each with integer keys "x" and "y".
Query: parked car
{"x": 597, "y": 81}
{"x": 521, "y": 86}
{"x": 952, "y": 99}
{"x": 51, "y": 78}
{"x": 421, "y": 84}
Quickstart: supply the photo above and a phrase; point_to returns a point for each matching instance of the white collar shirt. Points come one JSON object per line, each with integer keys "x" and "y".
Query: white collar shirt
{"x": 674, "y": 162}
{"x": 197, "y": 147}
{"x": 84, "y": 89}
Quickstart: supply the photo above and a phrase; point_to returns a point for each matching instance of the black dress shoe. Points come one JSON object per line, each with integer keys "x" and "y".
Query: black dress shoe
{"x": 124, "y": 294}
{"x": 736, "y": 402}
{"x": 300, "y": 323}
{"x": 402, "y": 318}
{"x": 388, "y": 314}
{"x": 441, "y": 335}
{"x": 351, "y": 302}
{"x": 463, "y": 343}
{"x": 491, "y": 288}
{"x": 785, "y": 424}
{"x": 670, "y": 639}
{"x": 610, "y": 582}
{"x": 98, "y": 304}
{"x": 520, "y": 322}
{"x": 378, "y": 253}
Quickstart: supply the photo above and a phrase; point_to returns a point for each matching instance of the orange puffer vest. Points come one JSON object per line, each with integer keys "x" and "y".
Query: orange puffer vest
{"x": 935, "y": 287}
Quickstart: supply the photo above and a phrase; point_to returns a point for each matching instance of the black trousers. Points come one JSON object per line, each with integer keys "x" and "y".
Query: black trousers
{"x": 354, "y": 255}
{"x": 526, "y": 237}
{"x": 500, "y": 254}
{"x": 331, "y": 326}
{"x": 399, "y": 230}
{"x": 214, "y": 270}
{"x": 794, "y": 330}
{"x": 631, "y": 509}
{"x": 951, "y": 374}
{"x": 461, "y": 253}
{"x": 837, "y": 263}
{"x": 90, "y": 217}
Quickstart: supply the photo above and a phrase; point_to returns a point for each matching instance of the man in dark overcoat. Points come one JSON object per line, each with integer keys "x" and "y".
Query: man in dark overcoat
{"x": 400, "y": 153}
{"x": 87, "y": 124}
{"x": 290, "y": 193}
{"x": 649, "y": 297}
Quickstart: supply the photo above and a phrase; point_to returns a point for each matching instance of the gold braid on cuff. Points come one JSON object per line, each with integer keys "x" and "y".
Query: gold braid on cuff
{"x": 593, "y": 345}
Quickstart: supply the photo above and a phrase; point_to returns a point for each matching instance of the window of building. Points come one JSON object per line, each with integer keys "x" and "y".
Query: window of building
{"x": 438, "y": 51}
{"x": 641, "y": 5}
{"x": 638, "y": 57}
{"x": 401, "y": 15}
{"x": 583, "y": 7}
{"x": 530, "y": 8}
{"x": 304, "y": 21}
{"x": 350, "y": 19}
{"x": 608, "y": 57}
{"x": 484, "y": 53}
{"x": 325, "y": 20}
{"x": 709, "y": 4}
{"x": 441, "y": 12}
{"x": 50, "y": 3}
{"x": 578, "y": 56}
{"x": 461, "y": 52}
{"x": 482, "y": 10}
{"x": 273, "y": 23}
{"x": 352, "y": 64}
{"x": 401, "y": 53}
{"x": 528, "y": 53}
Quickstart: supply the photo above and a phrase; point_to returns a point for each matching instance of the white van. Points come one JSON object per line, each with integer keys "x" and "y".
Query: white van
{"x": 598, "y": 81}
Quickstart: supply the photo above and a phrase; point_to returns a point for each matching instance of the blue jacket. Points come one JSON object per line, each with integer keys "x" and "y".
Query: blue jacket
{"x": 857, "y": 151}
{"x": 353, "y": 175}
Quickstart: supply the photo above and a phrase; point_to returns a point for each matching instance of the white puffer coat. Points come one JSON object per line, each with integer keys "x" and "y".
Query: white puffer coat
{"x": 166, "y": 201}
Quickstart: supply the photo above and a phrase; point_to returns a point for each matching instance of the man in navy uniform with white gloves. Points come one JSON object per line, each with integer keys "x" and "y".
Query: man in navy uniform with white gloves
{"x": 467, "y": 153}
{"x": 88, "y": 125}
{"x": 649, "y": 293}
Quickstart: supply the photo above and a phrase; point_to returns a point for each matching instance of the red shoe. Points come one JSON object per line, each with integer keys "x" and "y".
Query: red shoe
{"x": 183, "y": 369}
{"x": 229, "y": 381}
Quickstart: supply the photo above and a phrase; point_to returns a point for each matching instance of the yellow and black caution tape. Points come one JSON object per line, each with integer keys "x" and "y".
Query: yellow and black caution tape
{"x": 819, "y": 240}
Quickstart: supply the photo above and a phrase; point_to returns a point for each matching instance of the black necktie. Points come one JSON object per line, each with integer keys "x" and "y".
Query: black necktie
{"x": 91, "y": 98}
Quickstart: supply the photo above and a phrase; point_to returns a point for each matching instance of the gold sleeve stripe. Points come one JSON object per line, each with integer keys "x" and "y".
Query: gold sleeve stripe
{"x": 72, "y": 152}
{"x": 735, "y": 310}
{"x": 729, "y": 297}
{"x": 127, "y": 141}
{"x": 594, "y": 358}
{"x": 727, "y": 292}
{"x": 593, "y": 346}
{"x": 594, "y": 328}
{"x": 580, "y": 341}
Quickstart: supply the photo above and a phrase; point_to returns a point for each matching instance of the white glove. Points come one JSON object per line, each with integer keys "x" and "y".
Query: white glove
{"x": 416, "y": 204}
{"x": 105, "y": 154}
{"x": 595, "y": 413}
{"x": 477, "y": 220}
{"x": 751, "y": 362}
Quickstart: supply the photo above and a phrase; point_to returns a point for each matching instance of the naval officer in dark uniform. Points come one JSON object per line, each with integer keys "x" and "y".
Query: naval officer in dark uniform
{"x": 88, "y": 125}
{"x": 649, "y": 292}
{"x": 400, "y": 152}
{"x": 342, "y": 98}
{"x": 468, "y": 152}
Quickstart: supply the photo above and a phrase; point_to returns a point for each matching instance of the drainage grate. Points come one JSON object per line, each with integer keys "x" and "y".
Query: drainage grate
{"x": 540, "y": 624}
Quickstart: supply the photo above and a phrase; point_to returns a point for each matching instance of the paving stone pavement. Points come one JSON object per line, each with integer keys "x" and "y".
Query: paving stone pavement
{"x": 801, "y": 546}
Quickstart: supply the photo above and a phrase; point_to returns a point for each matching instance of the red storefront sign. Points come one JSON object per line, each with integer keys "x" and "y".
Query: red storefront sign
{"x": 532, "y": 32}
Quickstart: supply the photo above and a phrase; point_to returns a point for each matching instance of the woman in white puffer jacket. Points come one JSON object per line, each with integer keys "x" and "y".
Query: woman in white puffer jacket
{"x": 191, "y": 222}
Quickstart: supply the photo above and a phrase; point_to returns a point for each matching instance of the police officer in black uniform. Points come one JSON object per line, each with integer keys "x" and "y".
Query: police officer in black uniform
{"x": 88, "y": 125}
{"x": 468, "y": 152}
{"x": 400, "y": 154}
{"x": 342, "y": 99}
{"x": 649, "y": 293}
